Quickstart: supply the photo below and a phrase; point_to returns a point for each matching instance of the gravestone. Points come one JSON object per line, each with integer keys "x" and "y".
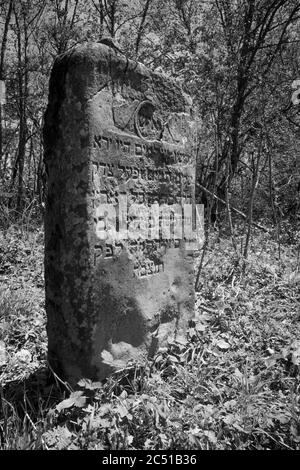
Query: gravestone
{"x": 119, "y": 153}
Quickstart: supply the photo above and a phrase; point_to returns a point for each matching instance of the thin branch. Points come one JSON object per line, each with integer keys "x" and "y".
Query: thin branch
{"x": 141, "y": 27}
{"x": 255, "y": 224}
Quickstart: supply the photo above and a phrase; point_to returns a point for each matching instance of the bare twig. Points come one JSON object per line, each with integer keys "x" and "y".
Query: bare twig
{"x": 227, "y": 183}
{"x": 255, "y": 224}
{"x": 255, "y": 178}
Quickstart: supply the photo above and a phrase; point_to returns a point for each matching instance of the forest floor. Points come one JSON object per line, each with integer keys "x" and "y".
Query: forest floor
{"x": 232, "y": 383}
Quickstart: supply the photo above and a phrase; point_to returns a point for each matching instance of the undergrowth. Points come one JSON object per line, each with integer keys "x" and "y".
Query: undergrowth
{"x": 231, "y": 383}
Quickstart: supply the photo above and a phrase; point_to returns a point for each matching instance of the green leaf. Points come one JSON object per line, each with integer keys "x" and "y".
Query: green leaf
{"x": 89, "y": 385}
{"x": 122, "y": 411}
{"x": 108, "y": 359}
{"x": 58, "y": 438}
{"x": 211, "y": 436}
{"x": 200, "y": 327}
{"x": 3, "y": 355}
{"x": 76, "y": 399}
{"x": 181, "y": 340}
{"x": 173, "y": 359}
{"x": 222, "y": 344}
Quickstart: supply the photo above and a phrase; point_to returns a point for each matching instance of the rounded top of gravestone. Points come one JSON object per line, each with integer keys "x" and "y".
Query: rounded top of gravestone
{"x": 111, "y": 42}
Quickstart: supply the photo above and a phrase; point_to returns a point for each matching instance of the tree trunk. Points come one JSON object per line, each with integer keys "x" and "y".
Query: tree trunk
{"x": 2, "y": 60}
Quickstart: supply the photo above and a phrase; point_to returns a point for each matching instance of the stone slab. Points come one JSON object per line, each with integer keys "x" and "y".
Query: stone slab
{"x": 114, "y": 130}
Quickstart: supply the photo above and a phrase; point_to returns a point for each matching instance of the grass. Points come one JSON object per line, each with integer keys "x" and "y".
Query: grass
{"x": 232, "y": 383}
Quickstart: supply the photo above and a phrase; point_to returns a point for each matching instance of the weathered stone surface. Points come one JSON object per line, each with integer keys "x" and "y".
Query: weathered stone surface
{"x": 113, "y": 129}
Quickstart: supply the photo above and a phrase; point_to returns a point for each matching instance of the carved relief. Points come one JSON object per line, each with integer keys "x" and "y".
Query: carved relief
{"x": 149, "y": 126}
